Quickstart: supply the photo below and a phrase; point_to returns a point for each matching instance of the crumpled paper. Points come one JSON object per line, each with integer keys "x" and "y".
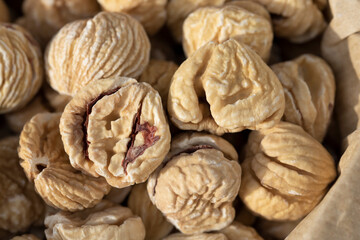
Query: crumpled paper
{"x": 341, "y": 48}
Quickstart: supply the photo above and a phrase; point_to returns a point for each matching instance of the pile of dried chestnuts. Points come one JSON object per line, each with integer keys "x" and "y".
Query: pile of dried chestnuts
{"x": 179, "y": 119}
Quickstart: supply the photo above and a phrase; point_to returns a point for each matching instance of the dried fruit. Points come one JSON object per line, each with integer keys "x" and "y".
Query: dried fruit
{"x": 47, "y": 165}
{"x": 105, "y": 221}
{"x": 26, "y": 237}
{"x": 197, "y": 182}
{"x": 20, "y": 206}
{"x": 286, "y": 172}
{"x": 150, "y": 13}
{"x": 108, "y": 45}
{"x": 297, "y": 20}
{"x": 309, "y": 87}
{"x": 156, "y": 225}
{"x": 225, "y": 88}
{"x": 178, "y": 10}
{"x": 116, "y": 128}
{"x": 158, "y": 74}
{"x": 4, "y": 12}
{"x": 236, "y": 231}
{"x": 44, "y": 18}
{"x": 22, "y": 55}
{"x": 218, "y": 24}
{"x": 337, "y": 216}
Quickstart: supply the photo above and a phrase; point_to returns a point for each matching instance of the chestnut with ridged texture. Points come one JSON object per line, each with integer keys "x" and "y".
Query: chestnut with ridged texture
{"x": 21, "y": 67}
{"x": 108, "y": 45}
{"x": 178, "y": 10}
{"x": 47, "y": 165}
{"x": 197, "y": 182}
{"x": 309, "y": 87}
{"x": 298, "y": 20}
{"x": 286, "y": 172}
{"x": 225, "y": 87}
{"x": 105, "y": 221}
{"x": 116, "y": 128}
{"x": 245, "y": 21}
{"x": 44, "y": 18}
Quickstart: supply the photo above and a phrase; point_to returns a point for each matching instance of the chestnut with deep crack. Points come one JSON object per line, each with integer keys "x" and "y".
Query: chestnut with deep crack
{"x": 148, "y": 133}
{"x": 89, "y": 107}
{"x": 132, "y": 152}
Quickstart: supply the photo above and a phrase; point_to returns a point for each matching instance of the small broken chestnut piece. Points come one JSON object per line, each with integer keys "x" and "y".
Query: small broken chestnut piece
{"x": 116, "y": 128}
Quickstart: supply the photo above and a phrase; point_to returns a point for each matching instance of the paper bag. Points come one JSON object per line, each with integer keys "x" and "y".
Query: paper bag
{"x": 341, "y": 48}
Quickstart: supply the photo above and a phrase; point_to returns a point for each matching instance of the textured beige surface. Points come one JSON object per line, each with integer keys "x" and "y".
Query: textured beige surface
{"x": 297, "y": 20}
{"x": 187, "y": 189}
{"x": 150, "y": 13}
{"x": 44, "y": 18}
{"x": 20, "y": 206}
{"x": 156, "y": 225}
{"x": 337, "y": 215}
{"x": 178, "y": 10}
{"x": 341, "y": 48}
{"x": 309, "y": 87}
{"x": 47, "y": 165}
{"x": 26, "y": 237}
{"x": 16, "y": 120}
{"x": 223, "y": 88}
{"x": 218, "y": 24}
{"x": 236, "y": 231}
{"x": 127, "y": 134}
{"x": 105, "y": 221}
{"x": 4, "y": 12}
{"x": 108, "y": 45}
{"x": 159, "y": 74}
{"x": 285, "y": 173}
{"x": 21, "y": 67}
